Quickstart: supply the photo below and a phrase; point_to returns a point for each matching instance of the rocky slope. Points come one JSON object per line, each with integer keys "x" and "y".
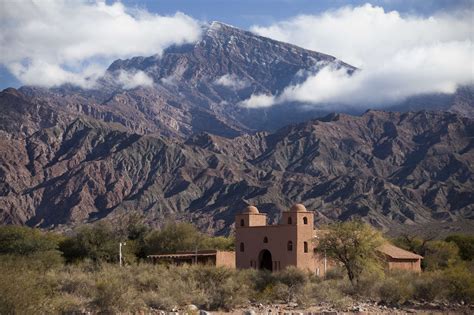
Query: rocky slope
{"x": 186, "y": 148}
{"x": 197, "y": 87}
{"x": 391, "y": 169}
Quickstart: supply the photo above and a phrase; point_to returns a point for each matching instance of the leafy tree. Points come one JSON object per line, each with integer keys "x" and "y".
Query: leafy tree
{"x": 465, "y": 244}
{"x": 22, "y": 240}
{"x": 440, "y": 255}
{"x": 219, "y": 243}
{"x": 173, "y": 237}
{"x": 98, "y": 242}
{"x": 353, "y": 244}
{"x": 412, "y": 243}
{"x": 179, "y": 236}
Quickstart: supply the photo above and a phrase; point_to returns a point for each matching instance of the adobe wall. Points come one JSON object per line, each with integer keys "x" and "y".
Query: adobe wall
{"x": 253, "y": 240}
{"x": 295, "y": 226}
{"x": 225, "y": 259}
{"x": 404, "y": 264}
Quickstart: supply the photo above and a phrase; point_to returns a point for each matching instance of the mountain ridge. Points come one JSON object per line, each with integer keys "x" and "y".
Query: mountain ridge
{"x": 185, "y": 147}
{"x": 339, "y": 167}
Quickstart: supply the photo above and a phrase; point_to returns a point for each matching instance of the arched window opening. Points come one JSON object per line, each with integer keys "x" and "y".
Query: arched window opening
{"x": 290, "y": 246}
{"x": 305, "y": 220}
{"x": 242, "y": 222}
{"x": 290, "y": 221}
{"x": 265, "y": 239}
{"x": 305, "y": 245}
{"x": 242, "y": 247}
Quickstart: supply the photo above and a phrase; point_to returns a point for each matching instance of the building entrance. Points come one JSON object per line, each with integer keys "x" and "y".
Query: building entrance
{"x": 265, "y": 260}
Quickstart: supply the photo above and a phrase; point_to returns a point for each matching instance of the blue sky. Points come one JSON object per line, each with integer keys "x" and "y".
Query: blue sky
{"x": 50, "y": 43}
{"x": 244, "y": 13}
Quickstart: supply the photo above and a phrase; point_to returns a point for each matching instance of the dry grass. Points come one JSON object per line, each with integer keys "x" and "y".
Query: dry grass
{"x": 28, "y": 286}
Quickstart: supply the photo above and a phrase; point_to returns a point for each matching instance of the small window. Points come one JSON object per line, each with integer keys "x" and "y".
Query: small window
{"x": 242, "y": 247}
{"x": 305, "y": 220}
{"x": 242, "y": 222}
{"x": 265, "y": 239}
{"x": 290, "y": 221}
{"x": 305, "y": 245}
{"x": 290, "y": 246}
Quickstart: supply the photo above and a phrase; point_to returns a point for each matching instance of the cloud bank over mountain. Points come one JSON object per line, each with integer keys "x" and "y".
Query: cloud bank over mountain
{"x": 399, "y": 56}
{"x": 49, "y": 43}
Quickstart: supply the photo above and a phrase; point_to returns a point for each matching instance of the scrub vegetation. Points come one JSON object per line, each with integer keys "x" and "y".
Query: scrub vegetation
{"x": 46, "y": 272}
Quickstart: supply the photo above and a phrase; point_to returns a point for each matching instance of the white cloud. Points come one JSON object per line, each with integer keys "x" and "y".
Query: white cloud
{"x": 259, "y": 101}
{"x": 399, "y": 55}
{"x": 130, "y": 80}
{"x": 232, "y": 81}
{"x": 53, "y": 42}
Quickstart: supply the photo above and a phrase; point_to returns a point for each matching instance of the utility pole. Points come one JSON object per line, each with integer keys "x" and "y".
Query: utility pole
{"x": 120, "y": 252}
{"x": 196, "y": 254}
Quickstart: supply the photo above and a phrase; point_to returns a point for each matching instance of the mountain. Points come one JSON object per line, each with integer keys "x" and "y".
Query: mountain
{"x": 186, "y": 148}
{"x": 197, "y": 87}
{"x": 392, "y": 169}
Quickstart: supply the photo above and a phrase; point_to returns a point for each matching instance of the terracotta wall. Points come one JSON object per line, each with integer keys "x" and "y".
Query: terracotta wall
{"x": 226, "y": 259}
{"x": 404, "y": 264}
{"x": 299, "y": 231}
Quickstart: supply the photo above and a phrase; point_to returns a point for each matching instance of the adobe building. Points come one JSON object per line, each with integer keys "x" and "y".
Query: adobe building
{"x": 400, "y": 259}
{"x": 275, "y": 247}
{"x": 291, "y": 242}
{"x": 215, "y": 258}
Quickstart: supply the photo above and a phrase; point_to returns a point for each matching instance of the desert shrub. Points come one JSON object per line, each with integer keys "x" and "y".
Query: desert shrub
{"x": 440, "y": 255}
{"x": 113, "y": 295}
{"x": 465, "y": 244}
{"x": 22, "y": 240}
{"x": 292, "y": 283}
{"x": 22, "y": 286}
{"x": 331, "y": 292}
{"x": 166, "y": 288}
{"x": 74, "y": 281}
{"x": 47, "y": 260}
{"x": 336, "y": 273}
{"x": 427, "y": 286}
{"x": 97, "y": 242}
{"x": 115, "y": 290}
{"x": 223, "y": 287}
{"x": 458, "y": 283}
{"x": 397, "y": 287}
{"x": 64, "y": 303}
{"x": 368, "y": 285}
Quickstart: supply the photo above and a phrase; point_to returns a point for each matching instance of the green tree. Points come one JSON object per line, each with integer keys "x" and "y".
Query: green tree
{"x": 219, "y": 243}
{"x": 411, "y": 243}
{"x": 173, "y": 237}
{"x": 22, "y": 240}
{"x": 353, "y": 244}
{"x": 465, "y": 244}
{"x": 180, "y": 236}
{"x": 98, "y": 242}
{"x": 440, "y": 255}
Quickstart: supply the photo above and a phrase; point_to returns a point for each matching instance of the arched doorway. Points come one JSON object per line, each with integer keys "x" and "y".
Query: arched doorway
{"x": 265, "y": 260}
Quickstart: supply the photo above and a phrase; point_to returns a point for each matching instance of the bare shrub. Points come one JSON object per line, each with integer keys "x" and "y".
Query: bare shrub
{"x": 397, "y": 288}
{"x": 427, "y": 286}
{"x": 458, "y": 282}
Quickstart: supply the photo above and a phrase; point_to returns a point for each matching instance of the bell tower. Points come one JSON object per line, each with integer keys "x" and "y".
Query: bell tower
{"x": 250, "y": 217}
